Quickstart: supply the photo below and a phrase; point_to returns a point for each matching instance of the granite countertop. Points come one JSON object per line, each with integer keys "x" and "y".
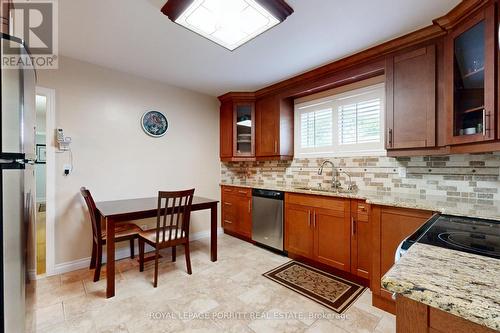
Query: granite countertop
{"x": 441, "y": 204}
{"x": 460, "y": 283}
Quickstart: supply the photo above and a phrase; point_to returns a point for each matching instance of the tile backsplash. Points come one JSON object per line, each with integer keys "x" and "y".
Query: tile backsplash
{"x": 471, "y": 176}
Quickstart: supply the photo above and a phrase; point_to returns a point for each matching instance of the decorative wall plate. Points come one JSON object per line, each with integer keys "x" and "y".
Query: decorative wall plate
{"x": 154, "y": 123}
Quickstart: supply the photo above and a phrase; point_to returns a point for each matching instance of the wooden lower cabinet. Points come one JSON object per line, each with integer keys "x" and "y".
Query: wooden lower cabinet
{"x": 361, "y": 249}
{"x": 299, "y": 235}
{"x": 332, "y": 236}
{"x": 390, "y": 226}
{"x": 416, "y": 317}
{"x": 318, "y": 228}
{"x": 237, "y": 211}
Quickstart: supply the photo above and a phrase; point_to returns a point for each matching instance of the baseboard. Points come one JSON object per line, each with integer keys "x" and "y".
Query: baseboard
{"x": 122, "y": 253}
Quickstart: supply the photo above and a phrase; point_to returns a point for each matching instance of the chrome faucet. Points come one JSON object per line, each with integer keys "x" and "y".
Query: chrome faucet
{"x": 335, "y": 180}
{"x": 351, "y": 187}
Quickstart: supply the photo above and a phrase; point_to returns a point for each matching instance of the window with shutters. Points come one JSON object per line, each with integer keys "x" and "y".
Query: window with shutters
{"x": 348, "y": 124}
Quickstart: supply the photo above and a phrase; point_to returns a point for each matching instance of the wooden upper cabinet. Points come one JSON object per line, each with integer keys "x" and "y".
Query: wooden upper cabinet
{"x": 237, "y": 127}
{"x": 411, "y": 99}
{"x": 470, "y": 65}
{"x": 226, "y": 130}
{"x": 244, "y": 129}
{"x": 274, "y": 127}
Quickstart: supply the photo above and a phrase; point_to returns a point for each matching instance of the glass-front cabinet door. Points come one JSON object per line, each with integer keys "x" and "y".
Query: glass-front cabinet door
{"x": 471, "y": 79}
{"x": 244, "y": 135}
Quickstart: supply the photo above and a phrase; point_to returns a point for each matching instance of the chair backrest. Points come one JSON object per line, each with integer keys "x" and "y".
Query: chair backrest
{"x": 174, "y": 213}
{"x": 94, "y": 218}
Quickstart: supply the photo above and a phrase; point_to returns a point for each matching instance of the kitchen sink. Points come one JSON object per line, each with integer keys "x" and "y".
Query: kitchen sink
{"x": 326, "y": 189}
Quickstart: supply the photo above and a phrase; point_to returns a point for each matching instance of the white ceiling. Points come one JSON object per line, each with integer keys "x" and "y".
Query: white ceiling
{"x": 135, "y": 37}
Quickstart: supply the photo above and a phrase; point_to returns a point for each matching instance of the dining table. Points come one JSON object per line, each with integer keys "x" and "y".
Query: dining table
{"x": 120, "y": 211}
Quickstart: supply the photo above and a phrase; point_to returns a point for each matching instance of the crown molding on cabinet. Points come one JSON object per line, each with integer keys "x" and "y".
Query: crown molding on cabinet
{"x": 460, "y": 12}
{"x": 439, "y": 28}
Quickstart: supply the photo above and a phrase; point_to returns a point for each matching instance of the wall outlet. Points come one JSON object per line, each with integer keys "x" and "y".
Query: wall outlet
{"x": 67, "y": 169}
{"x": 402, "y": 172}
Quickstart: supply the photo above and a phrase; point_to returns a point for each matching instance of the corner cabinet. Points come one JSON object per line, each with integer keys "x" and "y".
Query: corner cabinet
{"x": 470, "y": 58}
{"x": 255, "y": 129}
{"x": 237, "y": 127}
{"x": 274, "y": 128}
{"x": 411, "y": 99}
{"x": 390, "y": 226}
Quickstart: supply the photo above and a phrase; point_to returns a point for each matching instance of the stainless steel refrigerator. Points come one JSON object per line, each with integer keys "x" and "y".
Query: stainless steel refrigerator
{"x": 17, "y": 186}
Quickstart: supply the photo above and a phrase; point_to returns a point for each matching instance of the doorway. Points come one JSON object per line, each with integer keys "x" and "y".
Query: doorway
{"x": 45, "y": 181}
{"x": 41, "y": 182}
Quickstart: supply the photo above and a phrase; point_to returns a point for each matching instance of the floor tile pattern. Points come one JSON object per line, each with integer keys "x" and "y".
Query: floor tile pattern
{"x": 230, "y": 295}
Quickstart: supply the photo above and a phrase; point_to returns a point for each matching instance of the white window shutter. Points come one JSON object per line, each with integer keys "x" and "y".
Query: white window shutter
{"x": 360, "y": 122}
{"x": 347, "y": 124}
{"x": 316, "y": 128}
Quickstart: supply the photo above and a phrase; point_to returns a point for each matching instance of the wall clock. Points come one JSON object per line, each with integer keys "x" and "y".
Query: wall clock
{"x": 154, "y": 123}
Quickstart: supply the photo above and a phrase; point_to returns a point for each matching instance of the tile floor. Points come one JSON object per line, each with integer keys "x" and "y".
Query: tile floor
{"x": 230, "y": 295}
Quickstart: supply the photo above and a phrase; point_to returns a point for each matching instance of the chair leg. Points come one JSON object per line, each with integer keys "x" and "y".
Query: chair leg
{"x": 141, "y": 255}
{"x": 155, "y": 283}
{"x": 188, "y": 258}
{"x": 132, "y": 248}
{"x": 94, "y": 255}
{"x": 97, "y": 272}
{"x": 174, "y": 253}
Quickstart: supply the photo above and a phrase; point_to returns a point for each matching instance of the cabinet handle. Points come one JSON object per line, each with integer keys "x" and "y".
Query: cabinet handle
{"x": 353, "y": 226}
{"x": 309, "y": 218}
{"x": 228, "y": 222}
{"x": 314, "y": 220}
{"x": 275, "y": 146}
{"x": 228, "y": 204}
{"x": 249, "y": 206}
{"x": 362, "y": 208}
{"x": 242, "y": 192}
{"x": 390, "y": 137}
{"x": 486, "y": 122}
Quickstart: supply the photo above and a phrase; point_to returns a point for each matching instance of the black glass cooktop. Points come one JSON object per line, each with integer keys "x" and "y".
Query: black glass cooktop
{"x": 465, "y": 234}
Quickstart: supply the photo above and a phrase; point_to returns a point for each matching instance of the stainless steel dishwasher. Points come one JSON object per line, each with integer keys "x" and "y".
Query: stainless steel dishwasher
{"x": 267, "y": 218}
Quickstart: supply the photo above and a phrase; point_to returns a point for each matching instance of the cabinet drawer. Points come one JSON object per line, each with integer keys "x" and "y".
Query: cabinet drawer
{"x": 362, "y": 212}
{"x": 239, "y": 191}
{"x": 316, "y": 201}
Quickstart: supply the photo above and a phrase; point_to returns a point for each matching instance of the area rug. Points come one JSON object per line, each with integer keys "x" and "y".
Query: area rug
{"x": 329, "y": 290}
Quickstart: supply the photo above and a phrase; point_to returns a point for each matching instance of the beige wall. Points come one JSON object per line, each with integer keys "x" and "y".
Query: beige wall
{"x": 101, "y": 110}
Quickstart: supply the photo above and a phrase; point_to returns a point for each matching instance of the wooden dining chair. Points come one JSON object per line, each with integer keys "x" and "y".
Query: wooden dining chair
{"x": 172, "y": 227}
{"x": 123, "y": 232}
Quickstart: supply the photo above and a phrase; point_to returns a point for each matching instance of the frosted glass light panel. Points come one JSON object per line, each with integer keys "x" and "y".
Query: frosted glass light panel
{"x": 230, "y": 23}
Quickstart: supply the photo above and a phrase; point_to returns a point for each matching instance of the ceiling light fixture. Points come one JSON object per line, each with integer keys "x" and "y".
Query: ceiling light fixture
{"x": 229, "y": 23}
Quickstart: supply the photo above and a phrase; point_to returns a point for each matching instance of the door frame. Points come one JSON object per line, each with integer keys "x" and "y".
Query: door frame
{"x": 50, "y": 168}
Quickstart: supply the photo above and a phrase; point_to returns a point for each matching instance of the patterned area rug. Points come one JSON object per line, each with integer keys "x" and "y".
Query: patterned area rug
{"x": 329, "y": 290}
